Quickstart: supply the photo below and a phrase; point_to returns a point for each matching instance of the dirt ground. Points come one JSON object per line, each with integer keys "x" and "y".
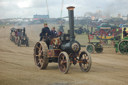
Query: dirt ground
{"x": 17, "y": 66}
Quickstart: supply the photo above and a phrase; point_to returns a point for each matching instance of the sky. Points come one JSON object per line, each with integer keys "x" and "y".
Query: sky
{"x": 27, "y": 8}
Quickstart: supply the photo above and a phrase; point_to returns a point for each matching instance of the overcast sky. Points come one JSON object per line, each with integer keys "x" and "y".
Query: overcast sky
{"x": 27, "y": 8}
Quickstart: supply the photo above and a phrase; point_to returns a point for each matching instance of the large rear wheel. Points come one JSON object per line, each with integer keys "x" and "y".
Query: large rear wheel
{"x": 64, "y": 62}
{"x": 40, "y": 55}
{"x": 85, "y": 61}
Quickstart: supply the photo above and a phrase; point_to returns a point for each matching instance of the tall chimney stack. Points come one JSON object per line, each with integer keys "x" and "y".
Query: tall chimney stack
{"x": 71, "y": 22}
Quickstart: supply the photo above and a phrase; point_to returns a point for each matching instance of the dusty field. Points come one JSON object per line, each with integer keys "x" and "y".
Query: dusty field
{"x": 17, "y": 66}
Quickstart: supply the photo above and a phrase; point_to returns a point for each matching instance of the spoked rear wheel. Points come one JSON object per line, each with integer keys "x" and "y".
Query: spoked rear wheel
{"x": 64, "y": 62}
{"x": 40, "y": 56}
{"x": 85, "y": 61}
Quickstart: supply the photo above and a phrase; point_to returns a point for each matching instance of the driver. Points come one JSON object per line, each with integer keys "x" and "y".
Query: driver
{"x": 125, "y": 33}
{"x": 45, "y": 34}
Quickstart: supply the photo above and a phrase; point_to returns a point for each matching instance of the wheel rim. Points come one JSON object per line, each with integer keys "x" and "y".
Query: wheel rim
{"x": 123, "y": 47}
{"x": 38, "y": 55}
{"x": 63, "y": 62}
{"x": 85, "y": 65}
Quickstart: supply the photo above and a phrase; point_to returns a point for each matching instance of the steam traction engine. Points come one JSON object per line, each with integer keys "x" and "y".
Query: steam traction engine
{"x": 64, "y": 50}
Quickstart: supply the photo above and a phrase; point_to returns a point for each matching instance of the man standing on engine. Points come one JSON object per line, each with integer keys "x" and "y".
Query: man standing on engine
{"x": 45, "y": 34}
{"x": 125, "y": 33}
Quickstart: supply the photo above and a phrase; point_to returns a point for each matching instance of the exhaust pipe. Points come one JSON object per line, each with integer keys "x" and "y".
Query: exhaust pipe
{"x": 71, "y": 22}
{"x": 71, "y": 46}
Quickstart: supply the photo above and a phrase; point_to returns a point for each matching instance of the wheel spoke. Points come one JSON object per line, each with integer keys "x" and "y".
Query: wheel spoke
{"x": 40, "y": 47}
{"x": 37, "y": 55}
{"x": 64, "y": 67}
{"x": 38, "y": 63}
{"x": 87, "y": 58}
{"x": 83, "y": 65}
{"x": 63, "y": 57}
{"x": 61, "y": 62}
{"x": 37, "y": 47}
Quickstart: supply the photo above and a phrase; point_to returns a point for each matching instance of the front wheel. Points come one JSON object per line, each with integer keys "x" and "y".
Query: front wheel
{"x": 64, "y": 62}
{"x": 85, "y": 61}
{"x": 90, "y": 48}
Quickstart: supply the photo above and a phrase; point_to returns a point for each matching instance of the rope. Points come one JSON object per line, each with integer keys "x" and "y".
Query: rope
{"x": 47, "y": 7}
{"x": 62, "y": 4}
{"x": 61, "y": 8}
